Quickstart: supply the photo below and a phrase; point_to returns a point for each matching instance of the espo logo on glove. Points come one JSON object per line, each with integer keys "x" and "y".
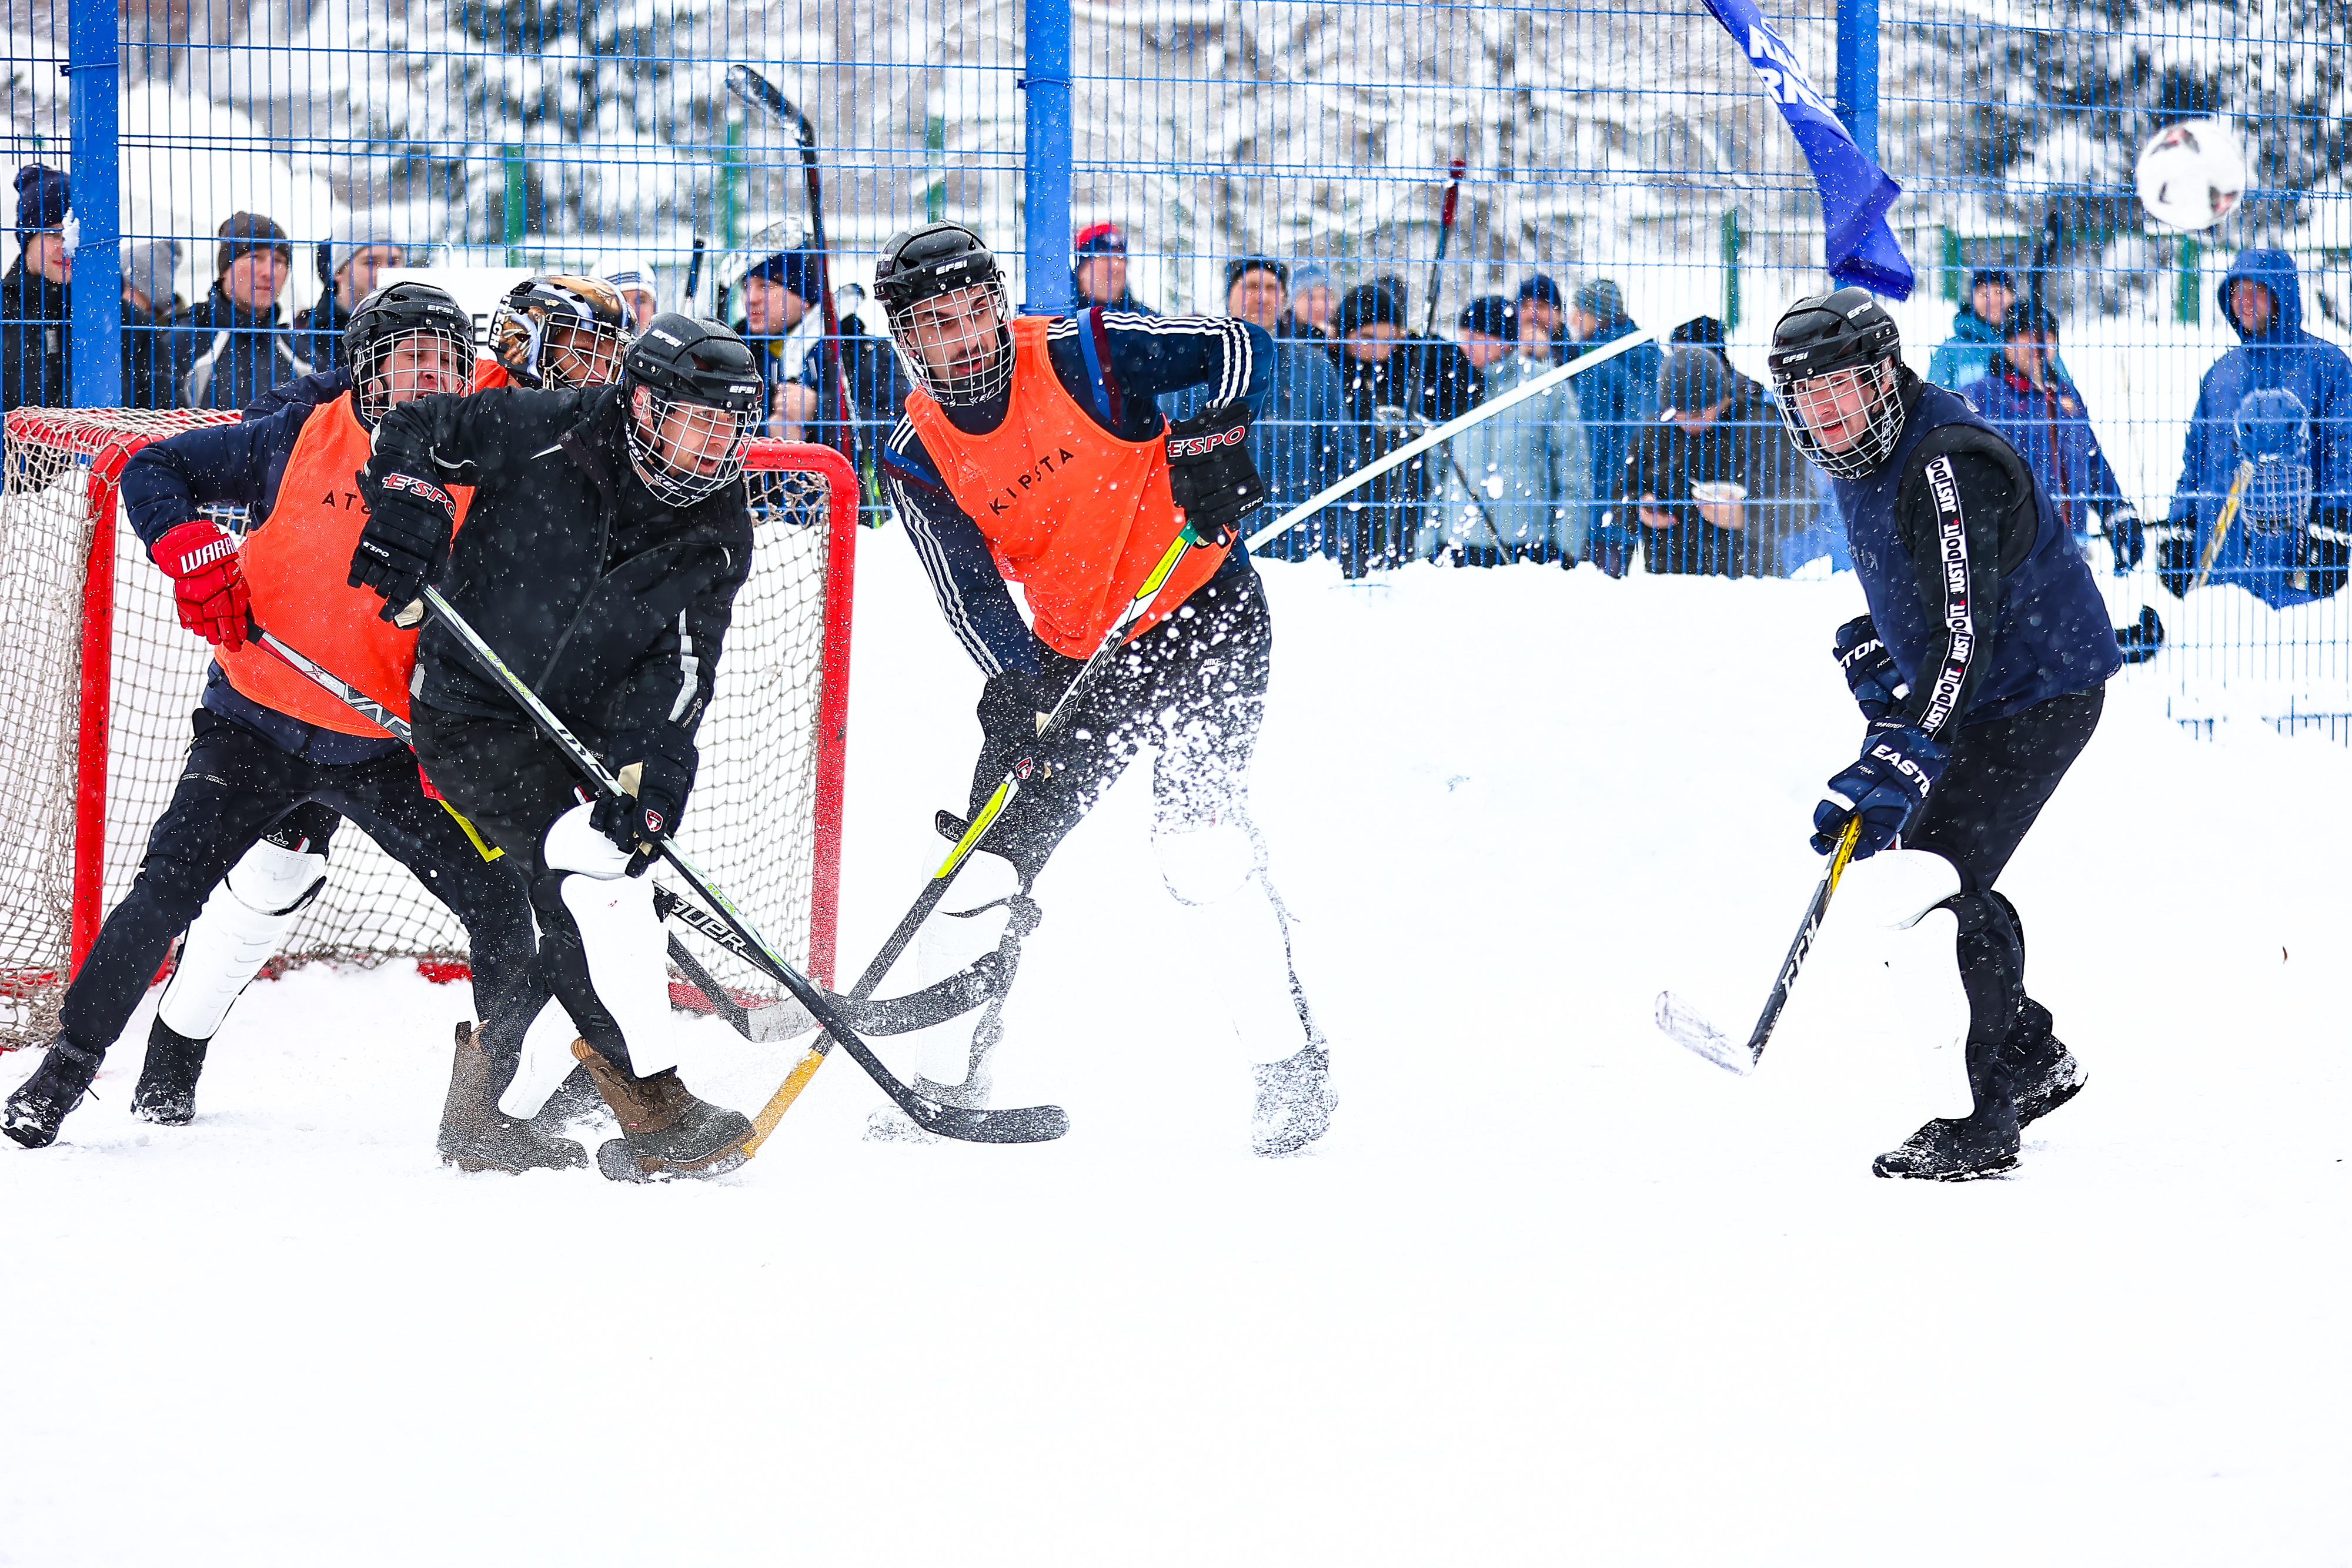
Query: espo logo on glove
{"x": 1202, "y": 446}
{"x": 419, "y": 488}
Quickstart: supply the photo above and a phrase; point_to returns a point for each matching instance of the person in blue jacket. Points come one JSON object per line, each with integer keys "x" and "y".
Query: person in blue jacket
{"x": 2045, "y": 416}
{"x": 1615, "y": 400}
{"x": 1980, "y": 671}
{"x": 2279, "y": 557}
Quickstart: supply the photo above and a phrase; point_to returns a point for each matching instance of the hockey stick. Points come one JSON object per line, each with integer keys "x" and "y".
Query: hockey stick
{"x": 1446, "y": 431}
{"x": 1689, "y": 1029}
{"x": 2221, "y": 524}
{"x": 755, "y": 89}
{"x": 693, "y": 276}
{"x": 1031, "y": 1124}
{"x": 1445, "y": 233}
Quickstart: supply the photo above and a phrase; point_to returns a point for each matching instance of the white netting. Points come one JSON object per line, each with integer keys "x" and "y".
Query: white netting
{"x": 751, "y": 824}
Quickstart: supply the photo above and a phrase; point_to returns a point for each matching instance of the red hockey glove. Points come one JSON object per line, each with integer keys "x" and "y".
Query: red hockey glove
{"x": 208, "y": 582}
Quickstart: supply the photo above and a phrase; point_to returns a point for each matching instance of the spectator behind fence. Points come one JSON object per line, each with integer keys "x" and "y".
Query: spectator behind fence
{"x": 1313, "y": 297}
{"x": 1515, "y": 486}
{"x": 233, "y": 346}
{"x": 37, "y": 307}
{"x": 347, "y": 271}
{"x": 1700, "y": 332}
{"x": 1395, "y": 386}
{"x": 149, "y": 301}
{"x": 2292, "y": 536}
{"x": 877, "y": 385}
{"x": 2042, "y": 414}
{"x": 1301, "y": 440}
{"x": 1717, "y": 482}
{"x": 1098, "y": 271}
{"x": 1542, "y": 315}
{"x": 633, "y": 278}
{"x": 1616, "y": 401}
{"x": 1964, "y": 358}
{"x": 784, "y": 331}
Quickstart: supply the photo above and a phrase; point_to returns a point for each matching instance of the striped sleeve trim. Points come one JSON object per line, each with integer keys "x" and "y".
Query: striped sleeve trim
{"x": 1958, "y": 614}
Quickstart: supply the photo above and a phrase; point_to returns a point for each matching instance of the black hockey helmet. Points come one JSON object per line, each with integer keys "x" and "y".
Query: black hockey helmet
{"x": 704, "y": 399}
{"x": 559, "y": 330}
{"x": 947, "y": 262}
{"x": 394, "y": 315}
{"x": 1833, "y": 364}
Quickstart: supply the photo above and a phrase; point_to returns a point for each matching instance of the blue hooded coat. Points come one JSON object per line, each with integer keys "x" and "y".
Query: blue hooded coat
{"x": 2281, "y": 355}
{"x": 1616, "y": 401}
{"x": 2050, "y": 425}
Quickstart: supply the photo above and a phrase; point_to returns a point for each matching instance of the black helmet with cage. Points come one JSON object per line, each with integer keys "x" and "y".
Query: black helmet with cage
{"x": 409, "y": 338}
{"x": 1840, "y": 384}
{"x": 559, "y": 330}
{"x": 703, "y": 398}
{"x": 943, "y": 295}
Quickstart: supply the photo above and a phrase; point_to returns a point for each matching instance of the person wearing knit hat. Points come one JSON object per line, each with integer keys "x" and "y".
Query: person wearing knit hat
{"x": 34, "y": 304}
{"x": 1314, "y": 299}
{"x": 234, "y": 346}
{"x": 348, "y": 267}
{"x": 149, "y": 267}
{"x": 1512, "y": 486}
{"x": 1961, "y": 360}
{"x": 1616, "y": 401}
{"x": 1715, "y": 482}
{"x": 1098, "y": 271}
{"x": 635, "y": 279}
{"x": 1395, "y": 382}
{"x": 783, "y": 330}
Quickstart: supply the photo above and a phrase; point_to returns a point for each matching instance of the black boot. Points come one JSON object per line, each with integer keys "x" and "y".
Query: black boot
{"x": 666, "y": 1131}
{"x": 476, "y": 1135}
{"x": 166, "y": 1094}
{"x": 1991, "y": 955}
{"x": 40, "y": 1102}
{"x": 2045, "y": 1072}
{"x": 1982, "y": 1144}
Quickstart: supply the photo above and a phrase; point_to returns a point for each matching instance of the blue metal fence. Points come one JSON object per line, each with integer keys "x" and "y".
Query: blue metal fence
{"x": 1621, "y": 165}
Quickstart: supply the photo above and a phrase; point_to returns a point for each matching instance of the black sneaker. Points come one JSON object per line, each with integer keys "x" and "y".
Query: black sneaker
{"x": 2045, "y": 1072}
{"x": 1983, "y": 1143}
{"x": 39, "y": 1104}
{"x": 166, "y": 1094}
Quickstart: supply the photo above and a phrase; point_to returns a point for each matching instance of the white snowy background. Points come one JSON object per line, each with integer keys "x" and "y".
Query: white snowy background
{"x": 1552, "y": 1290}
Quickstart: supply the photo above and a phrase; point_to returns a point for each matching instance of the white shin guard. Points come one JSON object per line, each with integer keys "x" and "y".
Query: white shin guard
{"x": 238, "y": 930}
{"x": 1217, "y": 872}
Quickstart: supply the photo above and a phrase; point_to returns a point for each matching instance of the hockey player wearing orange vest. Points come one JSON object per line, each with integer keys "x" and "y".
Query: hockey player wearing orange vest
{"x": 1033, "y": 453}
{"x": 550, "y": 331}
{"x": 267, "y": 741}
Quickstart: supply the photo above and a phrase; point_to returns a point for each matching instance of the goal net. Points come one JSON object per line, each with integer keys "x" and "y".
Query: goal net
{"x": 98, "y": 681}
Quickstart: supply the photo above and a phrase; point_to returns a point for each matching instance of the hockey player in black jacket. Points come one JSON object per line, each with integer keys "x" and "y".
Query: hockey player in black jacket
{"x": 608, "y": 533}
{"x": 1981, "y": 669}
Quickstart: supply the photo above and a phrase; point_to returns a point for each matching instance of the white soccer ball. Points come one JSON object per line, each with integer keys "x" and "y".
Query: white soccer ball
{"x": 2192, "y": 174}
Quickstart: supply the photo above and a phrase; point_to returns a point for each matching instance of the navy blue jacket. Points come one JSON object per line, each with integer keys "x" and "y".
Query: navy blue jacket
{"x": 237, "y": 466}
{"x": 2050, "y": 428}
{"x": 1115, "y": 367}
{"x": 1973, "y": 582}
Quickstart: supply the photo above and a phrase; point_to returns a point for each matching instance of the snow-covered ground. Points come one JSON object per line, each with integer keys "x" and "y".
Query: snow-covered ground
{"x": 1553, "y": 1291}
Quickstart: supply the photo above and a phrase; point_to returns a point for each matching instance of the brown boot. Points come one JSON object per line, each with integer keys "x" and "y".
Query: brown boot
{"x": 476, "y": 1135}
{"x": 664, "y": 1130}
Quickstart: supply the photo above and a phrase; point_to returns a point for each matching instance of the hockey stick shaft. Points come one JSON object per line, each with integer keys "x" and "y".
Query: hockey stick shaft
{"x": 1803, "y": 945}
{"x": 1443, "y": 433}
{"x": 756, "y": 89}
{"x": 1027, "y": 1125}
{"x": 1445, "y": 233}
{"x": 2221, "y": 524}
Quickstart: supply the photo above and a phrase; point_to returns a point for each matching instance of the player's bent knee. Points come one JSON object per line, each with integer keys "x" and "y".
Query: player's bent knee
{"x": 573, "y": 845}
{"x": 1896, "y": 888}
{"x": 1204, "y": 864}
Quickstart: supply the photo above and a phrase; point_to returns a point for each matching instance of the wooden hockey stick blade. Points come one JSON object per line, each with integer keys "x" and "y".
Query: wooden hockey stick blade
{"x": 1687, "y": 1028}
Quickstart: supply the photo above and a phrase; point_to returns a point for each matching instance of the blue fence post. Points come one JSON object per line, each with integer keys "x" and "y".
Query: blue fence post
{"x": 93, "y": 56}
{"x": 1857, "y": 72}
{"x": 1046, "y": 169}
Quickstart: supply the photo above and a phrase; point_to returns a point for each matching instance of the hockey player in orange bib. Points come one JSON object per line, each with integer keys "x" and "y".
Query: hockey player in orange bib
{"x": 1032, "y": 452}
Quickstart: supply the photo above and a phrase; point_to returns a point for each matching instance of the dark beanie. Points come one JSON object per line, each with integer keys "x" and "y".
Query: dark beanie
{"x": 795, "y": 269}
{"x": 1492, "y": 315}
{"x": 1692, "y": 380}
{"x": 2020, "y": 319}
{"x": 1543, "y": 291}
{"x": 1367, "y": 303}
{"x": 1705, "y": 331}
{"x": 42, "y": 197}
{"x": 245, "y": 232}
{"x": 1241, "y": 265}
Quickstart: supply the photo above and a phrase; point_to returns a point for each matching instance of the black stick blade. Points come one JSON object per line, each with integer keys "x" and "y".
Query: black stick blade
{"x": 1027, "y": 1124}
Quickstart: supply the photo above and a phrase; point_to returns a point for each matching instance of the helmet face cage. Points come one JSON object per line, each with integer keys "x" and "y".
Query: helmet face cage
{"x": 382, "y": 370}
{"x": 2273, "y": 432}
{"x": 671, "y": 442}
{"x": 1825, "y": 399}
{"x": 970, "y": 329}
{"x": 559, "y": 332}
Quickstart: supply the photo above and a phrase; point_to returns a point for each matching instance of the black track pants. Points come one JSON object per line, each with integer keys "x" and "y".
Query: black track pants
{"x": 237, "y": 783}
{"x": 1193, "y": 687}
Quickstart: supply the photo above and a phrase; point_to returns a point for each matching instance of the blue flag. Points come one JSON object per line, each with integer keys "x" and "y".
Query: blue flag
{"x": 1855, "y": 192}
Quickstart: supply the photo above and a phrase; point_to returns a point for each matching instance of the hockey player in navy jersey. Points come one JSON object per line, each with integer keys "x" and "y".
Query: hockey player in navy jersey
{"x": 1981, "y": 670}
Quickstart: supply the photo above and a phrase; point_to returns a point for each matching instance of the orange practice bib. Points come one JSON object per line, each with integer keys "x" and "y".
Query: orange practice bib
{"x": 489, "y": 375}
{"x": 296, "y": 565}
{"x": 1076, "y": 516}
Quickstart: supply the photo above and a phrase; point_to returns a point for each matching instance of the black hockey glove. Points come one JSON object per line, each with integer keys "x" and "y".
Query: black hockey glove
{"x": 1870, "y": 673}
{"x": 410, "y": 523}
{"x": 2126, "y": 538}
{"x": 657, "y": 769}
{"x": 2328, "y": 550}
{"x": 1209, "y": 473}
{"x": 2176, "y": 554}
